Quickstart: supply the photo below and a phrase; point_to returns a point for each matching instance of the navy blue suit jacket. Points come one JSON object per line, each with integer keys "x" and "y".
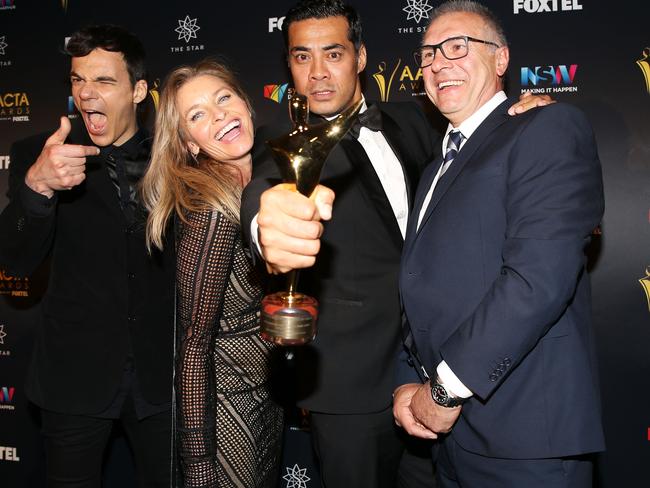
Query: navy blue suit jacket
{"x": 494, "y": 282}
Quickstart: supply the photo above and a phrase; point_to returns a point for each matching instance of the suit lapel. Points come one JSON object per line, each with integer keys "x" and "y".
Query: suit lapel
{"x": 372, "y": 186}
{"x": 494, "y": 120}
{"x": 426, "y": 180}
{"x": 371, "y": 183}
{"x": 397, "y": 142}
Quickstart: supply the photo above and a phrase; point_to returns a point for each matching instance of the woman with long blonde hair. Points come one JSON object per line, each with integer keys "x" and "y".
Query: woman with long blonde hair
{"x": 228, "y": 427}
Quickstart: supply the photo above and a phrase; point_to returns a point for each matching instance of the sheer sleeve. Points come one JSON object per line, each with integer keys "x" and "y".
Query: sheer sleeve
{"x": 205, "y": 256}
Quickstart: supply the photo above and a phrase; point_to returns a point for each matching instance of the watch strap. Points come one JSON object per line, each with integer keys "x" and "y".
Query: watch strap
{"x": 441, "y": 395}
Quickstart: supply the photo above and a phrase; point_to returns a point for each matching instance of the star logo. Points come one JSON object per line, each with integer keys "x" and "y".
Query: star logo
{"x": 3, "y": 45}
{"x": 3, "y": 334}
{"x": 187, "y": 29}
{"x": 417, "y": 10}
{"x": 296, "y": 477}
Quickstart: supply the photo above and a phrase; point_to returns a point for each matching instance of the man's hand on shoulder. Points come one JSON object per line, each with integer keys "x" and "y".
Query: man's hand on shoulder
{"x": 60, "y": 166}
{"x": 527, "y": 101}
{"x": 290, "y": 226}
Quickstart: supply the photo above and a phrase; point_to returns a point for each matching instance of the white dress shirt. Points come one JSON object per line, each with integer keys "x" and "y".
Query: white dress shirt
{"x": 467, "y": 128}
{"x": 388, "y": 169}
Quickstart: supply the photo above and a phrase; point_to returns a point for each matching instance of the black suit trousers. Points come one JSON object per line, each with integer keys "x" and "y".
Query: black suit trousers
{"x": 369, "y": 451}
{"x": 75, "y": 445}
{"x": 360, "y": 451}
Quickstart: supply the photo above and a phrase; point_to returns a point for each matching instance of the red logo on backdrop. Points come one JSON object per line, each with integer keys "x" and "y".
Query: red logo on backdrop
{"x": 275, "y": 92}
{"x": 7, "y": 394}
{"x": 7, "y": 398}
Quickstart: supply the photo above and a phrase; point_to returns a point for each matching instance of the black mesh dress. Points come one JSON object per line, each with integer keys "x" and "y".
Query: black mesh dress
{"x": 228, "y": 427}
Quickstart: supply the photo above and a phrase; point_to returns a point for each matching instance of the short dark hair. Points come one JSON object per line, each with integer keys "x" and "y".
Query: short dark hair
{"x": 111, "y": 38}
{"x": 321, "y": 9}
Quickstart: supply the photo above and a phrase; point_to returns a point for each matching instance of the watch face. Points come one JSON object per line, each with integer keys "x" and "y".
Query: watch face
{"x": 439, "y": 394}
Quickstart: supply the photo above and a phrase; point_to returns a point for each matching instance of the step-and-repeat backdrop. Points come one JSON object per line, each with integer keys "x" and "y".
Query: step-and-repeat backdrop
{"x": 593, "y": 54}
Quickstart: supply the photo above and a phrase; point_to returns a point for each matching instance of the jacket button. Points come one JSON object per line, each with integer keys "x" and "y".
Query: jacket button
{"x": 493, "y": 377}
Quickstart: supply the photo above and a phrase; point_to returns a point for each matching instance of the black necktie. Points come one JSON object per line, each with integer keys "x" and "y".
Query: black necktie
{"x": 125, "y": 172}
{"x": 370, "y": 118}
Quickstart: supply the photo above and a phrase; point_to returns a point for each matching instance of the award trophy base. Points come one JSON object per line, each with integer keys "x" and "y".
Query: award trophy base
{"x": 289, "y": 319}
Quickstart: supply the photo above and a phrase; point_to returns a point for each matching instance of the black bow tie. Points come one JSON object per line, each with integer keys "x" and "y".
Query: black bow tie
{"x": 370, "y": 118}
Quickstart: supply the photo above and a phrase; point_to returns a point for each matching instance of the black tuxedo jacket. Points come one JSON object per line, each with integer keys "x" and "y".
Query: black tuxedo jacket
{"x": 106, "y": 296}
{"x": 350, "y": 366}
{"x": 494, "y": 282}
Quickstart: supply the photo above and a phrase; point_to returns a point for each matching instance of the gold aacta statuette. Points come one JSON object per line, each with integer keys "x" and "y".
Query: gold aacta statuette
{"x": 289, "y": 317}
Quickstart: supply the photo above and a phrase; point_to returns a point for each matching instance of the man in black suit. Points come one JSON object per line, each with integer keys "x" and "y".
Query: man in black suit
{"x": 103, "y": 351}
{"x": 346, "y": 376}
{"x": 493, "y": 276}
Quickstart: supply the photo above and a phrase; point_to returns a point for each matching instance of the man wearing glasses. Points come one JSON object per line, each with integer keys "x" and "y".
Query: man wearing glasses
{"x": 493, "y": 277}
{"x": 346, "y": 377}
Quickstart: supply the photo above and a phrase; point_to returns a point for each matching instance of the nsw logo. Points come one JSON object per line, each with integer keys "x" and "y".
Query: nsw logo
{"x": 549, "y": 78}
{"x": 7, "y": 394}
{"x": 7, "y": 397}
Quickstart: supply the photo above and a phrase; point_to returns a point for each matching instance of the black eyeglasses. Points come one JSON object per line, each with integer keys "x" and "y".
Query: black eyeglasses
{"x": 452, "y": 48}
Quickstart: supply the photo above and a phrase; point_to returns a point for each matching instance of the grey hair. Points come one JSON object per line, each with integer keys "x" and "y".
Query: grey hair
{"x": 470, "y": 6}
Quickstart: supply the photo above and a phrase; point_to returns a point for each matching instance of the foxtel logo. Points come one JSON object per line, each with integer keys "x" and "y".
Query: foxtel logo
{"x": 275, "y": 23}
{"x": 539, "y": 6}
{"x": 8, "y": 454}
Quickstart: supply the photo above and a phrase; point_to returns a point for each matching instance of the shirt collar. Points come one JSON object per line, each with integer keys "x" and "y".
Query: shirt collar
{"x": 133, "y": 149}
{"x": 364, "y": 107}
{"x": 469, "y": 125}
